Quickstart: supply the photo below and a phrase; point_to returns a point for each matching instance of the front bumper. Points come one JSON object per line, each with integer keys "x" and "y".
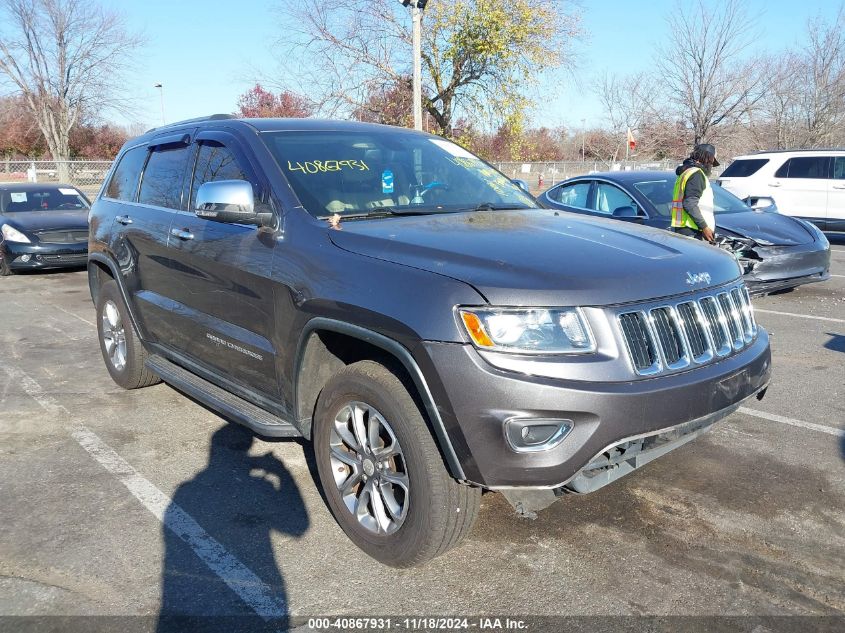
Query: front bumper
{"x": 475, "y": 399}
{"x": 782, "y": 267}
{"x": 44, "y": 255}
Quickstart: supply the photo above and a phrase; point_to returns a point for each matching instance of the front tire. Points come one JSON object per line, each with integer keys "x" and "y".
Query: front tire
{"x": 382, "y": 474}
{"x": 123, "y": 352}
{"x": 5, "y": 268}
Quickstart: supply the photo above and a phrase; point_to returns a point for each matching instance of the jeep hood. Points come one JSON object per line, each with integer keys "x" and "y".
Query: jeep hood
{"x": 541, "y": 257}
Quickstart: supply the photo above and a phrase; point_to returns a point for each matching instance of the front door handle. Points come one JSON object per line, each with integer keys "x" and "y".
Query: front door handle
{"x": 839, "y": 186}
{"x": 774, "y": 184}
{"x": 123, "y": 219}
{"x": 182, "y": 234}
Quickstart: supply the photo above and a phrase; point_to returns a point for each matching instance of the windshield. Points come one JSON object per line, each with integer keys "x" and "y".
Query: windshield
{"x": 42, "y": 199}
{"x": 368, "y": 172}
{"x": 659, "y": 193}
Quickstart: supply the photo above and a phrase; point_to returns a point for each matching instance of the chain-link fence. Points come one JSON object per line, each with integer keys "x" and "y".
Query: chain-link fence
{"x": 86, "y": 175}
{"x": 541, "y": 176}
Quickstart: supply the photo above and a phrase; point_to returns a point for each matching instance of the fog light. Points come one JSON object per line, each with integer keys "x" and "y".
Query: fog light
{"x": 532, "y": 435}
{"x": 25, "y": 257}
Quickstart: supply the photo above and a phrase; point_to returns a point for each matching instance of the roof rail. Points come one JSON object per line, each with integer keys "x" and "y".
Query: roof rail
{"x": 212, "y": 117}
{"x": 799, "y": 149}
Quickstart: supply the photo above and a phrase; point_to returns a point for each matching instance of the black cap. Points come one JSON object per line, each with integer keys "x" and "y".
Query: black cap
{"x": 706, "y": 148}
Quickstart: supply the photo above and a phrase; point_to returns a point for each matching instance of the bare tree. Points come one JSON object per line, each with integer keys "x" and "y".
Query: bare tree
{"x": 631, "y": 101}
{"x": 66, "y": 58}
{"x": 804, "y": 102}
{"x": 478, "y": 55}
{"x": 703, "y": 66}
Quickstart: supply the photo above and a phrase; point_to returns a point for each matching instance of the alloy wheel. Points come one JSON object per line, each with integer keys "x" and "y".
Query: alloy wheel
{"x": 369, "y": 468}
{"x": 114, "y": 335}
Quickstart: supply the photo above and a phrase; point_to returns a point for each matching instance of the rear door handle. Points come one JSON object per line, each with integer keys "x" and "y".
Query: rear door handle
{"x": 182, "y": 234}
{"x": 839, "y": 186}
{"x": 123, "y": 219}
{"x": 774, "y": 184}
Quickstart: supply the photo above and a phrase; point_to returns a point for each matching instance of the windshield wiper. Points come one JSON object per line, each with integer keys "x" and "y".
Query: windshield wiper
{"x": 492, "y": 206}
{"x": 383, "y": 212}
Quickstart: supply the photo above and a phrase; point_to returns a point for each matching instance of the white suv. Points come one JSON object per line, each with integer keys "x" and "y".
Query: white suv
{"x": 808, "y": 184}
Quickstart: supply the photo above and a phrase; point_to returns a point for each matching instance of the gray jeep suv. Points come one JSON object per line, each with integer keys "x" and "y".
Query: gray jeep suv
{"x": 397, "y": 301}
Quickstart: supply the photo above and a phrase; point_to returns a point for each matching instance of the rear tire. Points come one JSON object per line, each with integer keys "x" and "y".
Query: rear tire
{"x": 416, "y": 511}
{"x": 123, "y": 352}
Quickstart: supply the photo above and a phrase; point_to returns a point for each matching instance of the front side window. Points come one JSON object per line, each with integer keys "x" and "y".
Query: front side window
{"x": 124, "y": 182}
{"x": 574, "y": 195}
{"x": 659, "y": 193}
{"x": 744, "y": 167}
{"x": 215, "y": 162}
{"x": 609, "y": 198}
{"x": 360, "y": 172}
{"x": 804, "y": 167}
{"x": 161, "y": 185}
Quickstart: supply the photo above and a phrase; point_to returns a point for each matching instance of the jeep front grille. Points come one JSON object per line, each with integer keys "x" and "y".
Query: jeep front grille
{"x": 670, "y": 337}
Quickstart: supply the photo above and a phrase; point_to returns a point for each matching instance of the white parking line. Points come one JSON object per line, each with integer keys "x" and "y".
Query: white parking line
{"x": 75, "y": 316}
{"x": 240, "y": 579}
{"x": 800, "y": 316}
{"x": 792, "y": 422}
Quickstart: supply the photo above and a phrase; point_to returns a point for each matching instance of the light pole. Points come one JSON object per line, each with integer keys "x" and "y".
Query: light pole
{"x": 417, "y": 7}
{"x": 161, "y": 98}
{"x": 583, "y": 140}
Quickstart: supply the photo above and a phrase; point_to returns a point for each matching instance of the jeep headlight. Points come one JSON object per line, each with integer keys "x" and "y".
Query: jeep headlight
{"x": 529, "y": 330}
{"x": 11, "y": 234}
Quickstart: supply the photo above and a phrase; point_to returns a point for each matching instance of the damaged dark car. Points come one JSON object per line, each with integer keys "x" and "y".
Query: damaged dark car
{"x": 776, "y": 252}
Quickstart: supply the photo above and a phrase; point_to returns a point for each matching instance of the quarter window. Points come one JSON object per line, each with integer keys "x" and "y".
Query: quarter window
{"x": 215, "y": 162}
{"x": 161, "y": 185}
{"x": 609, "y": 198}
{"x": 804, "y": 167}
{"x": 124, "y": 182}
{"x": 574, "y": 195}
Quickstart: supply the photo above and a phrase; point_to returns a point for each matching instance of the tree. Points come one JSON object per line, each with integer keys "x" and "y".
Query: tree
{"x": 478, "y": 56}
{"x": 19, "y": 134}
{"x": 702, "y": 67}
{"x": 390, "y": 104}
{"x": 804, "y": 105}
{"x": 66, "y": 58}
{"x": 258, "y": 102}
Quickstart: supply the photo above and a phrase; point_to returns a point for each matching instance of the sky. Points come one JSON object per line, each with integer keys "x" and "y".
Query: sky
{"x": 206, "y": 53}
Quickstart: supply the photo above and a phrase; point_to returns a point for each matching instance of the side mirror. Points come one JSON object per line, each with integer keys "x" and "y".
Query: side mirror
{"x": 762, "y": 203}
{"x": 627, "y": 212}
{"x": 521, "y": 184}
{"x": 230, "y": 201}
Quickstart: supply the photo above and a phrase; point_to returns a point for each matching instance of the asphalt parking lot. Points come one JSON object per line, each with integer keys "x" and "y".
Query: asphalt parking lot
{"x": 116, "y": 503}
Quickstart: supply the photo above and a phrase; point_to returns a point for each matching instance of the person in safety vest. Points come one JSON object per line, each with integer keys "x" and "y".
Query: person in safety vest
{"x": 692, "y": 199}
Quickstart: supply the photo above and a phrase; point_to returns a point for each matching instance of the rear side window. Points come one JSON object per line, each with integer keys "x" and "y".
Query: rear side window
{"x": 744, "y": 167}
{"x": 839, "y": 167}
{"x": 804, "y": 167}
{"x": 124, "y": 181}
{"x": 163, "y": 177}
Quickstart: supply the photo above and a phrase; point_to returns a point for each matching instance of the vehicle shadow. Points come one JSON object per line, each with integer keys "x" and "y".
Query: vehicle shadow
{"x": 220, "y": 572}
{"x": 836, "y": 342}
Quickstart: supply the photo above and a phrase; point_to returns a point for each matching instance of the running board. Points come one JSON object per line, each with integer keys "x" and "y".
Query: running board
{"x": 227, "y": 404}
